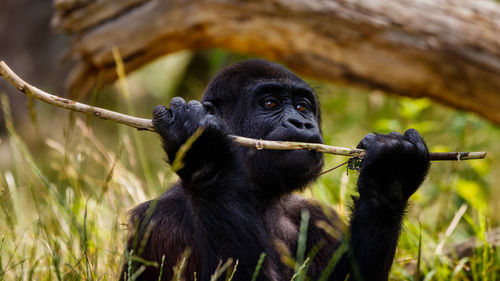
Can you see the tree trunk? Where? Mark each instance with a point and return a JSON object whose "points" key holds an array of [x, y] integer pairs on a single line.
{"points": [[447, 50]]}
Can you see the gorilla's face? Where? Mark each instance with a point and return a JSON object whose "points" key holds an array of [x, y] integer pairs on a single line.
{"points": [[285, 111], [282, 110], [263, 100]]}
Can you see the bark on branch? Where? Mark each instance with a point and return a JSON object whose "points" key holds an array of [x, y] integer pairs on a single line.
{"points": [[447, 50], [146, 124]]}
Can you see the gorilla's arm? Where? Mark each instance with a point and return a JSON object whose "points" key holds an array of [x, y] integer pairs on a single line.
{"points": [[223, 220], [393, 169]]}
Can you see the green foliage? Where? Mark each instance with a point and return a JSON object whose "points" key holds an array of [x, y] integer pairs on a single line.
{"points": [[66, 188]]}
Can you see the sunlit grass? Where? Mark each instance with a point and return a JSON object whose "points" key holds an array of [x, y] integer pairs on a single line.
{"points": [[66, 223]]}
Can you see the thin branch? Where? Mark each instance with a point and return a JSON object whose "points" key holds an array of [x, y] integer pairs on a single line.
{"points": [[23, 86], [291, 145], [147, 124]]}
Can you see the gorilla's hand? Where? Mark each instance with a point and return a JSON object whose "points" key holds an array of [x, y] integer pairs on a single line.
{"points": [[177, 124], [393, 168], [181, 121]]}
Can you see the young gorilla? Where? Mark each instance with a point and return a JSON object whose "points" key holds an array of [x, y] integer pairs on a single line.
{"points": [[236, 202]]}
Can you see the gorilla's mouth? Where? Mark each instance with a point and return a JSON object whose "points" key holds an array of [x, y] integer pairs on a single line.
{"points": [[302, 160], [300, 157], [283, 135]]}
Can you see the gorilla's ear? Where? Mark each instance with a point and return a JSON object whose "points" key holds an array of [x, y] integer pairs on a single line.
{"points": [[209, 107]]}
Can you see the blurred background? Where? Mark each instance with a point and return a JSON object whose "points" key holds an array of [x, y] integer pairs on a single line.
{"points": [[67, 180]]}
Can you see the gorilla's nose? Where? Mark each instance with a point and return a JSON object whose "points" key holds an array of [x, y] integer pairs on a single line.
{"points": [[301, 130], [294, 123]]}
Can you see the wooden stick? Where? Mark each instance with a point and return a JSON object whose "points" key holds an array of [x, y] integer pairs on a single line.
{"points": [[336, 150], [147, 124], [32, 91]]}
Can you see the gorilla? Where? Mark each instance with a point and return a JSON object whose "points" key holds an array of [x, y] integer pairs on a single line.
{"points": [[234, 202]]}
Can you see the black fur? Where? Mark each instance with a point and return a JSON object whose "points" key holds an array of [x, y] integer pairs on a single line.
{"points": [[236, 202]]}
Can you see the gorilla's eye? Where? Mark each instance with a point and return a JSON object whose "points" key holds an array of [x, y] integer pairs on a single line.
{"points": [[302, 107], [270, 103]]}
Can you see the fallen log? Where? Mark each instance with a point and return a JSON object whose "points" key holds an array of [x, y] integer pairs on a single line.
{"points": [[448, 51]]}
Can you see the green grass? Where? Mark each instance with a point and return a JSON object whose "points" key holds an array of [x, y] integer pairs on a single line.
{"points": [[66, 188]]}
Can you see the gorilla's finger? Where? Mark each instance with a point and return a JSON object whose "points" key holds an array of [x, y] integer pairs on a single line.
{"points": [[194, 103], [196, 106], [413, 136], [364, 143], [161, 116], [177, 103], [161, 111]]}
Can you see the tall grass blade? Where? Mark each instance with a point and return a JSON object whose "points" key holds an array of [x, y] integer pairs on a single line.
{"points": [[419, 255], [259, 266], [220, 269], [24, 151], [232, 271], [301, 247], [141, 150], [336, 256], [301, 273], [161, 267]]}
